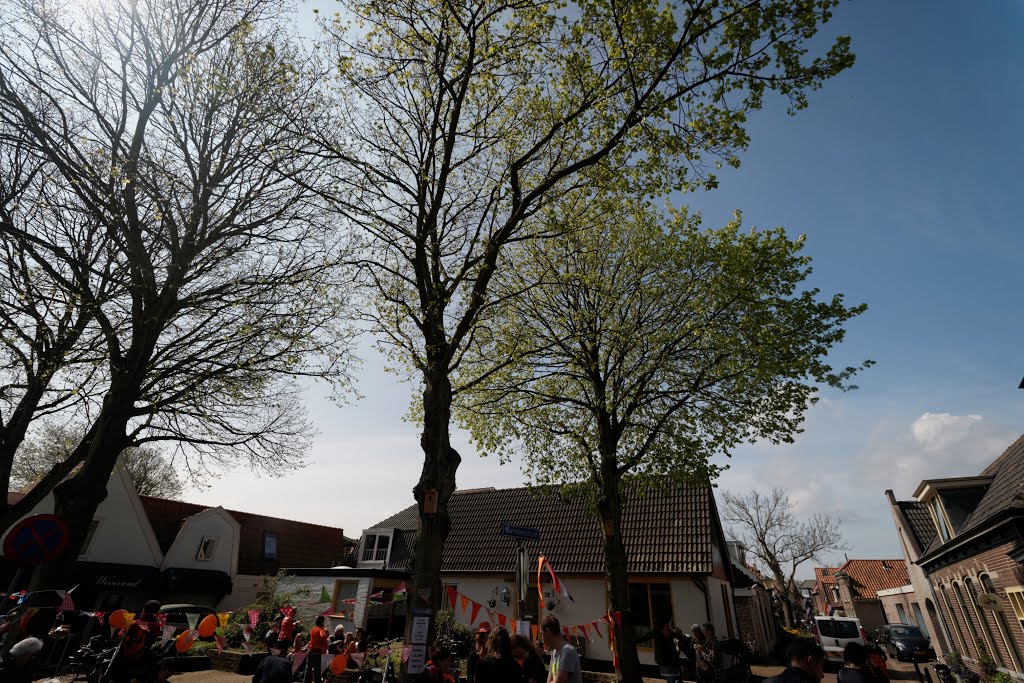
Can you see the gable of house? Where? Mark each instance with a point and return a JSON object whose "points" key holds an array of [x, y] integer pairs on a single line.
{"points": [[918, 522], [665, 531], [116, 534], [297, 544]]}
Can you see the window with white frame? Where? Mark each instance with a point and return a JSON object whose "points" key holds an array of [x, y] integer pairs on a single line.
{"points": [[1016, 597], [375, 547], [207, 547]]}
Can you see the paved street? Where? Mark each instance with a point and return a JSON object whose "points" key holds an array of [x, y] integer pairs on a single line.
{"points": [[897, 672]]}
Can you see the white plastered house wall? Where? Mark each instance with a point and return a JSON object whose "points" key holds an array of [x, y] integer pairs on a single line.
{"points": [[207, 540], [122, 533]]}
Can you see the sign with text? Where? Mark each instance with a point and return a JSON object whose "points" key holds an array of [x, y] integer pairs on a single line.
{"points": [[417, 659], [523, 533], [420, 626]]}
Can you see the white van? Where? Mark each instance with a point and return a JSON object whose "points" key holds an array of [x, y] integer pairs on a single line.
{"points": [[833, 633]]}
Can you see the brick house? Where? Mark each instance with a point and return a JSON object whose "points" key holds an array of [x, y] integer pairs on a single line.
{"points": [[755, 617], [916, 602], [974, 561], [852, 589], [678, 562]]}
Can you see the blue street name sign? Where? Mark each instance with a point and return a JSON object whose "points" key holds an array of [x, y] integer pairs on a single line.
{"points": [[523, 533]]}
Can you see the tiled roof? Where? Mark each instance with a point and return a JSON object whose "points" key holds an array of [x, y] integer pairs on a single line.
{"points": [[867, 577], [299, 544], [826, 576], [919, 522], [1007, 488], [1006, 492], [665, 531]]}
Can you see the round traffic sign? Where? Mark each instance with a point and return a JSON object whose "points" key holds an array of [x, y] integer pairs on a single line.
{"points": [[36, 540]]}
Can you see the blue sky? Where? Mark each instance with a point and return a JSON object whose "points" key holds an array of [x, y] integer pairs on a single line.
{"points": [[905, 174]]}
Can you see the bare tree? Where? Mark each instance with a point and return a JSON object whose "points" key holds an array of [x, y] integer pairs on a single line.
{"points": [[177, 127], [152, 473], [766, 525], [48, 347], [463, 121]]}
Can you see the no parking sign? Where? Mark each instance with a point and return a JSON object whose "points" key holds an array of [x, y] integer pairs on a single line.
{"points": [[36, 540]]}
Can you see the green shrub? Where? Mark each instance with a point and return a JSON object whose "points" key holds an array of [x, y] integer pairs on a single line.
{"points": [[269, 602], [453, 634]]}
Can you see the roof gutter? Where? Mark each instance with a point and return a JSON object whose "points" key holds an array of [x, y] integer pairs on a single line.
{"points": [[998, 521]]}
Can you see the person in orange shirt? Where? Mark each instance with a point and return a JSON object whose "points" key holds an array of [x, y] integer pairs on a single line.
{"points": [[316, 650]]}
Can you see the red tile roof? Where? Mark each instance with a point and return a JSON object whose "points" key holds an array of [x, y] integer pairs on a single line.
{"points": [[867, 577], [299, 544]]}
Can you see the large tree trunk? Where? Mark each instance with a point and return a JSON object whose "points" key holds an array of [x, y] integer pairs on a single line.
{"points": [[617, 577], [440, 462], [76, 499]]}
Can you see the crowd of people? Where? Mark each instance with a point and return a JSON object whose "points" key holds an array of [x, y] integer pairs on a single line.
{"points": [[501, 657], [807, 664], [698, 653], [137, 655]]}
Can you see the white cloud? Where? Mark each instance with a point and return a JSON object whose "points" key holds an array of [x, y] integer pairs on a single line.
{"points": [[935, 445], [938, 431]]}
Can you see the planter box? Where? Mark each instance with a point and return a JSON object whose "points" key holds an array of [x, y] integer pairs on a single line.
{"points": [[244, 663], [185, 664]]}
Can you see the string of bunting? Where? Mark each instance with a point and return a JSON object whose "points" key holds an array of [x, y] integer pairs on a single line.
{"points": [[470, 610]]}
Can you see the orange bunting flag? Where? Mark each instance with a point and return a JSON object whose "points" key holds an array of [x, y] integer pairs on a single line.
{"points": [[565, 632], [502, 619], [597, 629], [534, 629], [476, 612], [452, 594], [464, 601], [540, 590], [512, 626]]}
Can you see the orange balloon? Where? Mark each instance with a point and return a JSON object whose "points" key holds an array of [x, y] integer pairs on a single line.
{"points": [[338, 664], [208, 625], [183, 643], [118, 619]]}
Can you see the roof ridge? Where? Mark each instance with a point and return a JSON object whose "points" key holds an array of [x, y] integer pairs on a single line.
{"points": [[202, 508]]}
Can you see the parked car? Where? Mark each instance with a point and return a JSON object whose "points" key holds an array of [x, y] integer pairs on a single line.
{"points": [[833, 633], [905, 642], [177, 616]]}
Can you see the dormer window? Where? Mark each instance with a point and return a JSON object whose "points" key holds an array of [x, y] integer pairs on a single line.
{"points": [[375, 547], [939, 516]]}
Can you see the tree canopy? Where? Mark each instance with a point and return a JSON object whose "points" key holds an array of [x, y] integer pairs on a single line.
{"points": [[152, 473], [640, 345], [181, 130], [460, 123]]}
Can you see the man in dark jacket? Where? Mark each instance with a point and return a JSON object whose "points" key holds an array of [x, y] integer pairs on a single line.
{"points": [[806, 663], [274, 669], [666, 655]]}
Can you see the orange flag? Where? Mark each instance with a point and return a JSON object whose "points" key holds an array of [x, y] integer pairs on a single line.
{"points": [[464, 601]]}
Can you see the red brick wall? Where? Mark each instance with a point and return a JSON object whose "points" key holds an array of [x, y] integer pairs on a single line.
{"points": [[1004, 573]]}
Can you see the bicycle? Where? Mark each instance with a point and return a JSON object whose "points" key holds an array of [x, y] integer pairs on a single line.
{"points": [[377, 666]]}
